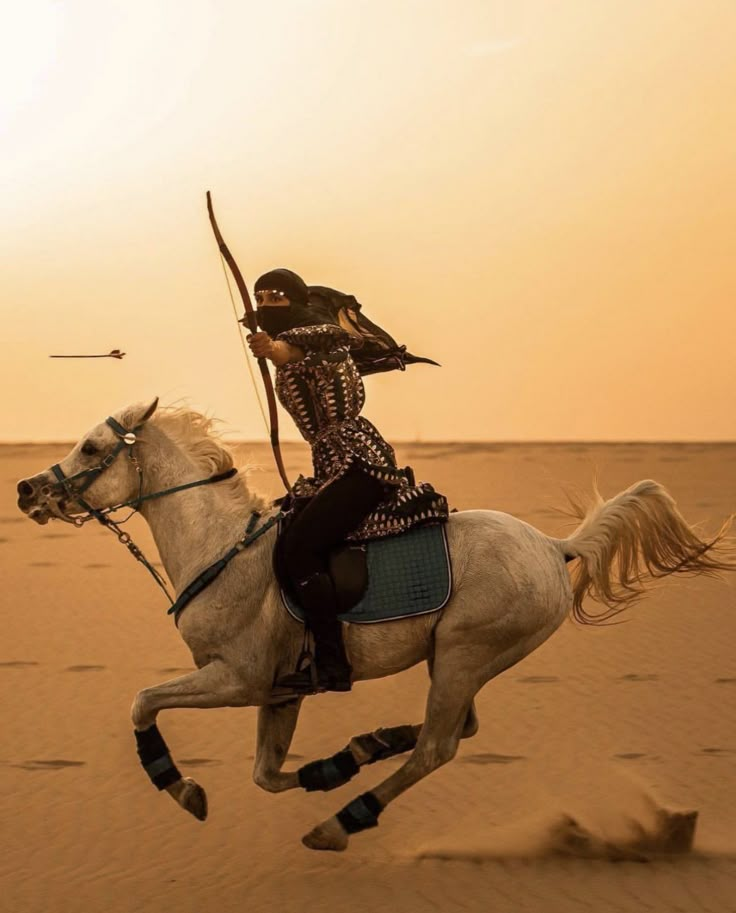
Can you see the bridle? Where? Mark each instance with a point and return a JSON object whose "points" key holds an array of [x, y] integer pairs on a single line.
{"points": [[128, 438], [88, 476]]}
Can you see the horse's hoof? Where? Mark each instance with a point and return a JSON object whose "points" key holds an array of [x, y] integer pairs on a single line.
{"points": [[193, 798], [327, 836]]}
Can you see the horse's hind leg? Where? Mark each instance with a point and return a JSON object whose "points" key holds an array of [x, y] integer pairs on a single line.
{"points": [[367, 748], [214, 685], [448, 708], [276, 725]]}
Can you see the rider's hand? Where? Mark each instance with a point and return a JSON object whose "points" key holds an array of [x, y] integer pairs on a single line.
{"points": [[261, 344]]}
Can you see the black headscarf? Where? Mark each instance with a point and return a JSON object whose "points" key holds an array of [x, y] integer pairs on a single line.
{"points": [[275, 320], [284, 280]]}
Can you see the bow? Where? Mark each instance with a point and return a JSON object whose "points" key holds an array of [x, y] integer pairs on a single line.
{"points": [[250, 318]]}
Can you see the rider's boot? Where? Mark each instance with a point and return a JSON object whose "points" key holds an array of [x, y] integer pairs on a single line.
{"points": [[331, 670]]}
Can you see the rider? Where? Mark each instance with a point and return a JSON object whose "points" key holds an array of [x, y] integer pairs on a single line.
{"points": [[357, 491]]}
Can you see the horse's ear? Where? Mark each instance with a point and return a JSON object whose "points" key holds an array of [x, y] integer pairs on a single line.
{"points": [[149, 412], [139, 414]]}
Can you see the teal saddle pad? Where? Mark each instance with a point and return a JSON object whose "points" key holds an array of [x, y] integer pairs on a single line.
{"points": [[409, 574]]}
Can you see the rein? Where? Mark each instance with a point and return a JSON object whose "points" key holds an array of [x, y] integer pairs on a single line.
{"points": [[206, 577], [88, 476]]}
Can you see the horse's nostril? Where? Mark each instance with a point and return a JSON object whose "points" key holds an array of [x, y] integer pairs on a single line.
{"points": [[25, 488]]}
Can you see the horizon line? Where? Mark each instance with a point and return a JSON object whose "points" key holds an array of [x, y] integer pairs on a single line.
{"points": [[432, 443]]}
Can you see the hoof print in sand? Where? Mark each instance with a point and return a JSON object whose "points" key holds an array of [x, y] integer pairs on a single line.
{"points": [[85, 668], [17, 663], [41, 564], [635, 677], [199, 762], [291, 756], [539, 679], [488, 757], [53, 764]]}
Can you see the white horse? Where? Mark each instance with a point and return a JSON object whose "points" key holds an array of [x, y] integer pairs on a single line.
{"points": [[512, 590]]}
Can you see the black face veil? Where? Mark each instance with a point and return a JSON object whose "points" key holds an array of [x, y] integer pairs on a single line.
{"points": [[273, 319]]}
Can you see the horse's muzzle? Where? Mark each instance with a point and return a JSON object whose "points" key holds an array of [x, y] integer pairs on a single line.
{"points": [[38, 498]]}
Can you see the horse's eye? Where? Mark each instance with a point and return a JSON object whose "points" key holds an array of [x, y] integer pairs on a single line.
{"points": [[88, 448]]}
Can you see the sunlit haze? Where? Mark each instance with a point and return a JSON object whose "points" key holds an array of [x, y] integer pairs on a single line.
{"points": [[541, 196]]}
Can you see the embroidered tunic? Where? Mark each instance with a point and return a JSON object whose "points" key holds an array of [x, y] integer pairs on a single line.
{"points": [[324, 394]]}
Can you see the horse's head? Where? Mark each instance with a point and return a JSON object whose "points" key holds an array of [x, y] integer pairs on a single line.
{"points": [[100, 471]]}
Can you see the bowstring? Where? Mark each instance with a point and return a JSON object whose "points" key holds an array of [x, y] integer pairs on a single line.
{"points": [[245, 350]]}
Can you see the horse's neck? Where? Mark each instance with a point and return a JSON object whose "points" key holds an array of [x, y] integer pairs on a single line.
{"points": [[191, 528]]}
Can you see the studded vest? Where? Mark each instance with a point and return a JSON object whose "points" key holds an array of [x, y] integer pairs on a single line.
{"points": [[324, 394]]}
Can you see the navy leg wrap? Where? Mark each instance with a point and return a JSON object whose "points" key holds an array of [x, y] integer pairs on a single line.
{"points": [[360, 814], [385, 743], [155, 757], [329, 772]]}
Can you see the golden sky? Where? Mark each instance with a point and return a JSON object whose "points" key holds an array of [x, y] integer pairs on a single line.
{"points": [[539, 194]]}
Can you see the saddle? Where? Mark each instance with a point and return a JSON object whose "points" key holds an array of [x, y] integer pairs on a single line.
{"points": [[384, 579]]}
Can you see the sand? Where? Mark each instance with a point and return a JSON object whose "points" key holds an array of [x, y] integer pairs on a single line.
{"points": [[603, 727]]}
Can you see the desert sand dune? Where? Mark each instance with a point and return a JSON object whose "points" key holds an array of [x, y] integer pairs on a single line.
{"points": [[563, 800]]}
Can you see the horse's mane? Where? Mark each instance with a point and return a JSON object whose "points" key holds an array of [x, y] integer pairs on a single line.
{"points": [[196, 434]]}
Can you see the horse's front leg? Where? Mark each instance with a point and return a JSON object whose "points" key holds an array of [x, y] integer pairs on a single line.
{"points": [[214, 685]]}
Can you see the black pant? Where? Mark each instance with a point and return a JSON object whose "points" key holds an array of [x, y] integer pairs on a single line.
{"points": [[336, 511]]}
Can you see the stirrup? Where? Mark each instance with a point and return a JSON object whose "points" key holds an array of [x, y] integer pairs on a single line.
{"points": [[297, 682], [310, 681]]}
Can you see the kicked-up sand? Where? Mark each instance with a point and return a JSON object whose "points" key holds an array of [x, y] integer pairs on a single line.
{"points": [[579, 792]]}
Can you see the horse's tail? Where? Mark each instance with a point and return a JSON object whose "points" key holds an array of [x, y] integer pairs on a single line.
{"points": [[638, 530]]}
